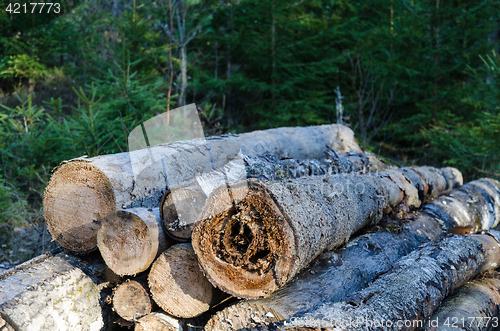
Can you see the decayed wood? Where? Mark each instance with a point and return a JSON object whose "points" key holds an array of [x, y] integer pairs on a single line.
{"points": [[178, 286], [55, 292], [82, 192], [474, 307], [189, 200], [263, 233], [404, 297], [129, 240], [353, 267], [131, 299]]}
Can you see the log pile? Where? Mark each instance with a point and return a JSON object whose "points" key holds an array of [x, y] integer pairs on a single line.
{"points": [[283, 229]]}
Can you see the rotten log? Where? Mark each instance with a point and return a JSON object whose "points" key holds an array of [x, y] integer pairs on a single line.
{"points": [[130, 240], [178, 286], [474, 306], [81, 192], [55, 292], [353, 267], [264, 233], [131, 299], [405, 297]]}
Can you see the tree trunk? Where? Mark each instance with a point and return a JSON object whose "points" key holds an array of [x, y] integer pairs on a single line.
{"points": [[131, 300], [189, 201], [404, 297], [83, 191], [474, 307], [55, 292], [353, 267], [178, 285], [130, 240], [262, 234]]}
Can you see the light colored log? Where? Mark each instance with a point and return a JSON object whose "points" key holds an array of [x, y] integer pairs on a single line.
{"points": [[83, 191], [129, 240], [263, 234], [178, 286], [159, 321], [54, 292], [405, 297], [474, 306], [131, 300]]}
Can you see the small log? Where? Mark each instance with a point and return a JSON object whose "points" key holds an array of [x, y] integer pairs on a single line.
{"points": [[474, 306], [178, 286], [129, 240], [263, 233], [243, 316], [404, 297], [353, 267], [55, 292], [81, 192], [159, 321], [188, 201], [131, 300]]}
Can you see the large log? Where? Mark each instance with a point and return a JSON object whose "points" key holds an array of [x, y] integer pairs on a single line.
{"points": [[262, 234], [130, 240], [55, 292], [189, 200], [178, 286], [474, 306], [353, 267], [404, 297], [83, 191]]}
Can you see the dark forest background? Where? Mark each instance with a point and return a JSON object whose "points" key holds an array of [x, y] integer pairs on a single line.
{"points": [[417, 80]]}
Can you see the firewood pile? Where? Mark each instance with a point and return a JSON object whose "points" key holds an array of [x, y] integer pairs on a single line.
{"points": [[282, 229]]}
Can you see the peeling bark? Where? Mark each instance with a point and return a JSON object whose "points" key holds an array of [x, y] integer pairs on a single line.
{"points": [[130, 240], [474, 307], [353, 267], [411, 290], [262, 234], [83, 191], [55, 292]]}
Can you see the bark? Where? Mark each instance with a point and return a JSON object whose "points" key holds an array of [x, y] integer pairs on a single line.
{"points": [[130, 240], [178, 286], [474, 307], [405, 297], [83, 191], [353, 267], [55, 292], [189, 201], [131, 300], [262, 234]]}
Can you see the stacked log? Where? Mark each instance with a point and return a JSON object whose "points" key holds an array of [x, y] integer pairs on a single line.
{"points": [[262, 234], [83, 191], [131, 300], [353, 267]]}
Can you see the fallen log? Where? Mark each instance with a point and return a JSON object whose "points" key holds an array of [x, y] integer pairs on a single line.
{"points": [[267, 232], [189, 200], [178, 286], [55, 292], [130, 240], [131, 299], [474, 306], [81, 192], [404, 297], [353, 267]]}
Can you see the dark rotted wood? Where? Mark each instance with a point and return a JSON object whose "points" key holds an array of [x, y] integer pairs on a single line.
{"points": [[256, 236], [353, 267], [411, 290]]}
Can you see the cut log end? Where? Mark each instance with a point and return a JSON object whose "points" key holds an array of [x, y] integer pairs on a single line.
{"points": [[127, 242], [131, 300], [159, 322], [246, 249], [243, 316], [78, 196], [178, 285]]}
